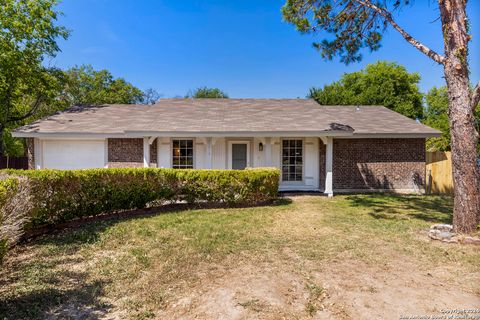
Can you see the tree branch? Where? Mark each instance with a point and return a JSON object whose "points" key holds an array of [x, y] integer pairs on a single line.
{"points": [[475, 96], [414, 42], [32, 111]]}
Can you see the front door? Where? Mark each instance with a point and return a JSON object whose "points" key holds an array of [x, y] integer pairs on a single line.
{"points": [[239, 155]]}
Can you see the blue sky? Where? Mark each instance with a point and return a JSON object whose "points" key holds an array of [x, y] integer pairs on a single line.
{"points": [[240, 46]]}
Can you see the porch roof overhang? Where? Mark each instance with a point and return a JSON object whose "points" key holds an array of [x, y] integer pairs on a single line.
{"points": [[181, 134], [204, 134]]}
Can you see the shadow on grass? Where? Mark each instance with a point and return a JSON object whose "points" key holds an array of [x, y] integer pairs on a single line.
{"points": [[437, 209], [43, 285], [80, 301], [87, 230]]}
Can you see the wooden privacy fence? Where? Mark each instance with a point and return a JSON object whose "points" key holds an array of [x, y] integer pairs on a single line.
{"points": [[13, 162], [439, 172]]}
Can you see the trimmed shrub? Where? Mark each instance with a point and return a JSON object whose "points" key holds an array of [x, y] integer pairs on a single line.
{"points": [[15, 204], [62, 195]]}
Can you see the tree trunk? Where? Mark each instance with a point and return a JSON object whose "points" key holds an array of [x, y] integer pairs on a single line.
{"points": [[2, 142], [464, 137]]}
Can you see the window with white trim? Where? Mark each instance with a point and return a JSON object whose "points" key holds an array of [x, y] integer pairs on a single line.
{"points": [[292, 160], [182, 157]]}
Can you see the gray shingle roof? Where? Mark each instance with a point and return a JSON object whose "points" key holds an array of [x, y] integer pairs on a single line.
{"points": [[226, 115]]}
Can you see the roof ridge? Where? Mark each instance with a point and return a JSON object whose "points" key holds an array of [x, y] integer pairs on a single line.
{"points": [[260, 99]]}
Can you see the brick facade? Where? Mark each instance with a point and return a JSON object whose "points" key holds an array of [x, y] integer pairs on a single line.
{"points": [[125, 152], [386, 164], [358, 164]]}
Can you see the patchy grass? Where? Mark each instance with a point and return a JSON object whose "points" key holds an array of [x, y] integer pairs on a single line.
{"points": [[316, 296], [273, 260], [253, 304]]}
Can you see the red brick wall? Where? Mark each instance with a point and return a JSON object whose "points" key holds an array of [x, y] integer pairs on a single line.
{"points": [[378, 163], [123, 152]]}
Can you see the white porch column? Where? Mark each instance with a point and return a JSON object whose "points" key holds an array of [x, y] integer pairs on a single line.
{"points": [[146, 152], [209, 154], [268, 152], [105, 153], [329, 167]]}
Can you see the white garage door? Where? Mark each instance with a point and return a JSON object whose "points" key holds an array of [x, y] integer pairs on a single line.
{"points": [[73, 154]]}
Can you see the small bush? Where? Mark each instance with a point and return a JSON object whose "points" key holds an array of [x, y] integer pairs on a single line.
{"points": [[62, 195], [15, 205]]}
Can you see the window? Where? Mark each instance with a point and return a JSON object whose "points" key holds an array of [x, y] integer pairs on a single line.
{"points": [[292, 160], [182, 154]]}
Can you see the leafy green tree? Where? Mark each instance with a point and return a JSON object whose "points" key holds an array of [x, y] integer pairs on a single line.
{"points": [[381, 83], [85, 86], [13, 147], [348, 26], [204, 92], [28, 34], [436, 116]]}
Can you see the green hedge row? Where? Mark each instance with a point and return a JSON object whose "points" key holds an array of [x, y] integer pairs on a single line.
{"points": [[30, 199], [61, 195]]}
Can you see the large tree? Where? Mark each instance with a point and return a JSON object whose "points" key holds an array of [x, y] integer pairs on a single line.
{"points": [[28, 34], [85, 85], [352, 25], [382, 83], [205, 92], [436, 116]]}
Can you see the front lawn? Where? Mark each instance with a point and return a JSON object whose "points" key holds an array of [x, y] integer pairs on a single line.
{"points": [[350, 257]]}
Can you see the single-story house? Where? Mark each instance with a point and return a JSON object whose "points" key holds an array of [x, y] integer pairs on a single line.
{"points": [[321, 148]]}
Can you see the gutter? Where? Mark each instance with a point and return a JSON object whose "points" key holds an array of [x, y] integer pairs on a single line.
{"points": [[340, 134], [141, 134]]}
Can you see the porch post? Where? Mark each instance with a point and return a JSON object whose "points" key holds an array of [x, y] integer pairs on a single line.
{"points": [[268, 152], [329, 167], [146, 152], [209, 159]]}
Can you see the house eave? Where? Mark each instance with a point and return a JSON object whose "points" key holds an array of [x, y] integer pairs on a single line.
{"points": [[410, 135], [240, 134], [67, 135], [140, 134]]}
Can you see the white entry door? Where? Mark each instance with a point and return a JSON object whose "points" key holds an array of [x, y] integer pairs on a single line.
{"points": [[238, 155]]}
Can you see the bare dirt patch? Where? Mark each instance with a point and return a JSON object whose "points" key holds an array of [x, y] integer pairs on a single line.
{"points": [[388, 292], [336, 290]]}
